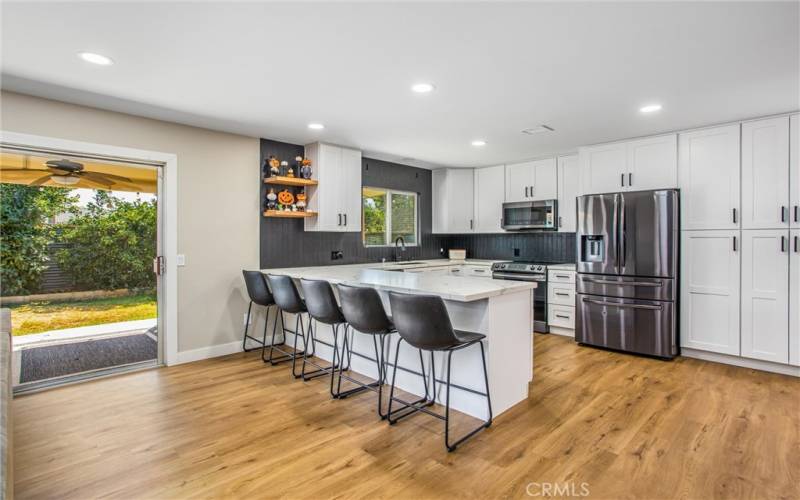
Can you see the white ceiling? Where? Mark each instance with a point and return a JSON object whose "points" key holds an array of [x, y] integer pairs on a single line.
{"points": [[268, 69]]}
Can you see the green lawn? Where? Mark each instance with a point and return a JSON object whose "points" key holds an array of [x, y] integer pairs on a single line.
{"points": [[38, 317]]}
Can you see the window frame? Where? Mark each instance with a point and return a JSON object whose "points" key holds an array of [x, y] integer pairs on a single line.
{"points": [[388, 232]]}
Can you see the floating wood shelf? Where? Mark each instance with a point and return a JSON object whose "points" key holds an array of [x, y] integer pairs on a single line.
{"points": [[290, 181], [289, 215]]}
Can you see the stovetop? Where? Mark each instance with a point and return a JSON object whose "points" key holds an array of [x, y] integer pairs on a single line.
{"points": [[521, 267]]}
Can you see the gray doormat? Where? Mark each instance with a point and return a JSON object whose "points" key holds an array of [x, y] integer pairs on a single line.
{"points": [[41, 363]]}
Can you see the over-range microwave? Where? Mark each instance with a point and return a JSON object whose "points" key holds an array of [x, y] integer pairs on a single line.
{"points": [[520, 215]]}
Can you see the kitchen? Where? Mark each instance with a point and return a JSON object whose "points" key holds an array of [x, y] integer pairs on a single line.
{"points": [[426, 250]]}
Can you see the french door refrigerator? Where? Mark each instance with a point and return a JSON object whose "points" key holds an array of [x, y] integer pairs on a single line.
{"points": [[627, 290]]}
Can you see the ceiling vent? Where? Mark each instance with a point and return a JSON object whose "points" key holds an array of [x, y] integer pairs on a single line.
{"points": [[538, 130]]}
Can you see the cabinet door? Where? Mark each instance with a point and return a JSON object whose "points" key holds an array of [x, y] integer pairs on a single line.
{"points": [[765, 295], [519, 179], [765, 174], [794, 299], [323, 198], [544, 179], [794, 169], [567, 192], [709, 178], [653, 163], [460, 191], [490, 192], [350, 190], [602, 168], [710, 291]]}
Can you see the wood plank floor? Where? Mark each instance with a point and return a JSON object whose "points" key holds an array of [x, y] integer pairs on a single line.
{"points": [[232, 427]]}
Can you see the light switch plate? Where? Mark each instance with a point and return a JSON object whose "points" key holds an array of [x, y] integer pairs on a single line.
{"points": [[180, 260]]}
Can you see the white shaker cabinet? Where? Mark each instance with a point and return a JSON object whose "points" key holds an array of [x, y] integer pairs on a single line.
{"points": [[453, 193], [489, 195], [532, 180], [709, 178], [567, 192], [794, 170], [794, 298], [710, 290], [637, 165], [765, 295], [337, 198], [765, 174], [652, 163]]}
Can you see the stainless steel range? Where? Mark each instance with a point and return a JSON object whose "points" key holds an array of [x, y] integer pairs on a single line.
{"points": [[528, 271]]}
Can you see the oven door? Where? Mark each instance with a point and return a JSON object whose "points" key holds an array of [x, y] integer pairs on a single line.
{"points": [[539, 296], [530, 215]]}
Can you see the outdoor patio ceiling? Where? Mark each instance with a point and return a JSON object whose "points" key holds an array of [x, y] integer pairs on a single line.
{"points": [[22, 168]]}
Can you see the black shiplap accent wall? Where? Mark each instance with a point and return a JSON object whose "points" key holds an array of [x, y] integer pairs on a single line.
{"points": [[284, 243]]}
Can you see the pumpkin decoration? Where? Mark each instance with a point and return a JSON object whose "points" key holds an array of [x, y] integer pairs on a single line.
{"points": [[301, 201], [285, 197], [305, 168]]}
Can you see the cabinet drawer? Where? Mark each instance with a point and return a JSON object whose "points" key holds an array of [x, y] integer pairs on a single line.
{"points": [[563, 316], [479, 271], [560, 294], [554, 276]]}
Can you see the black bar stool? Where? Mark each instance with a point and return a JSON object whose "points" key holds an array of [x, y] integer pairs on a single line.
{"points": [[260, 295], [364, 312], [423, 322], [287, 298], [322, 308]]}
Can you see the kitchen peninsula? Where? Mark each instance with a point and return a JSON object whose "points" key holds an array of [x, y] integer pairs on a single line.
{"points": [[502, 310]]}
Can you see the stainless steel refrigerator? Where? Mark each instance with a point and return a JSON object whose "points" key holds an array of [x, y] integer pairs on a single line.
{"points": [[627, 283]]}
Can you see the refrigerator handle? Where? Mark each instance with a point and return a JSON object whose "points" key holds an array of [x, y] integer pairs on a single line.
{"points": [[622, 233]]}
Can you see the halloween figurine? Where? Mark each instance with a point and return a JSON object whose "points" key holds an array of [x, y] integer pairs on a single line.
{"points": [[271, 197], [305, 168], [285, 198], [284, 168], [298, 162], [274, 165], [301, 201]]}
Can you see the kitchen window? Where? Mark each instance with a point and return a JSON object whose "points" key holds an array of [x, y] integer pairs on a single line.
{"points": [[387, 214]]}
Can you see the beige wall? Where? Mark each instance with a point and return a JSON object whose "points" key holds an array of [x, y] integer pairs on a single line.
{"points": [[218, 205]]}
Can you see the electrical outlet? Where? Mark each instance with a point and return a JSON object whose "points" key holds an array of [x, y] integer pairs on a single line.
{"points": [[516, 252], [337, 255]]}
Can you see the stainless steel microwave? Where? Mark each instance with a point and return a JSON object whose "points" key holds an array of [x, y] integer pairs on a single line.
{"points": [[521, 215]]}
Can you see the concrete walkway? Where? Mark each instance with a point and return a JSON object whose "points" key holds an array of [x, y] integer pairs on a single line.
{"points": [[82, 333]]}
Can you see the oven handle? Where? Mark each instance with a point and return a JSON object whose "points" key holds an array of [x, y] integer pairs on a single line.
{"points": [[625, 283], [516, 277], [615, 304]]}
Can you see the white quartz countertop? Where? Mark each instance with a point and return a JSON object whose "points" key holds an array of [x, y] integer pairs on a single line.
{"points": [[561, 267], [456, 288]]}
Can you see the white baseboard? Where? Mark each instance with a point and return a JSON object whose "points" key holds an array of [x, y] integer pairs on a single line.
{"points": [[754, 364], [209, 352]]}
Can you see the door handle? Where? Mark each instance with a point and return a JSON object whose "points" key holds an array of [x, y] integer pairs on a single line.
{"points": [[614, 304], [158, 265], [630, 179], [622, 180], [733, 211]]}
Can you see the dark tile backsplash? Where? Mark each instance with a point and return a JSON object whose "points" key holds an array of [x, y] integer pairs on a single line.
{"points": [[284, 243]]}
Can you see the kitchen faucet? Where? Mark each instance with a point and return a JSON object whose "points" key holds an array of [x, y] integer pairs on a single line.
{"points": [[403, 243]]}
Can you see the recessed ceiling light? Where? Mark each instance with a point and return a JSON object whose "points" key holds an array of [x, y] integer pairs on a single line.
{"points": [[478, 142], [96, 58], [422, 88], [650, 108], [316, 126]]}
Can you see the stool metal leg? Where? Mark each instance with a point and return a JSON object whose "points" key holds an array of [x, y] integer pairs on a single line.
{"points": [[452, 447], [261, 343], [413, 406], [286, 356]]}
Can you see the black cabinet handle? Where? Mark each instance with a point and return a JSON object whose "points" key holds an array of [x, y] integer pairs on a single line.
{"points": [[783, 243], [783, 213], [526, 191], [796, 245], [796, 210], [345, 219], [471, 224], [562, 316], [622, 180], [560, 221], [734, 243], [630, 179], [733, 210], [562, 294], [340, 220]]}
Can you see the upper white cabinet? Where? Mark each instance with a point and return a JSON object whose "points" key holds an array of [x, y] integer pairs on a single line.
{"points": [[638, 165], [709, 178], [765, 295], [603, 168], [794, 169], [567, 192], [490, 190], [532, 180], [337, 198], [794, 298], [710, 290], [653, 163], [453, 194], [765, 174]]}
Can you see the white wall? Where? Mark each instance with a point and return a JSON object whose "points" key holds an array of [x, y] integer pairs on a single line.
{"points": [[218, 203]]}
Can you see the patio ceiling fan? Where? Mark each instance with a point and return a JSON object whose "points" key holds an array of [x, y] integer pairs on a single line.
{"points": [[68, 173]]}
